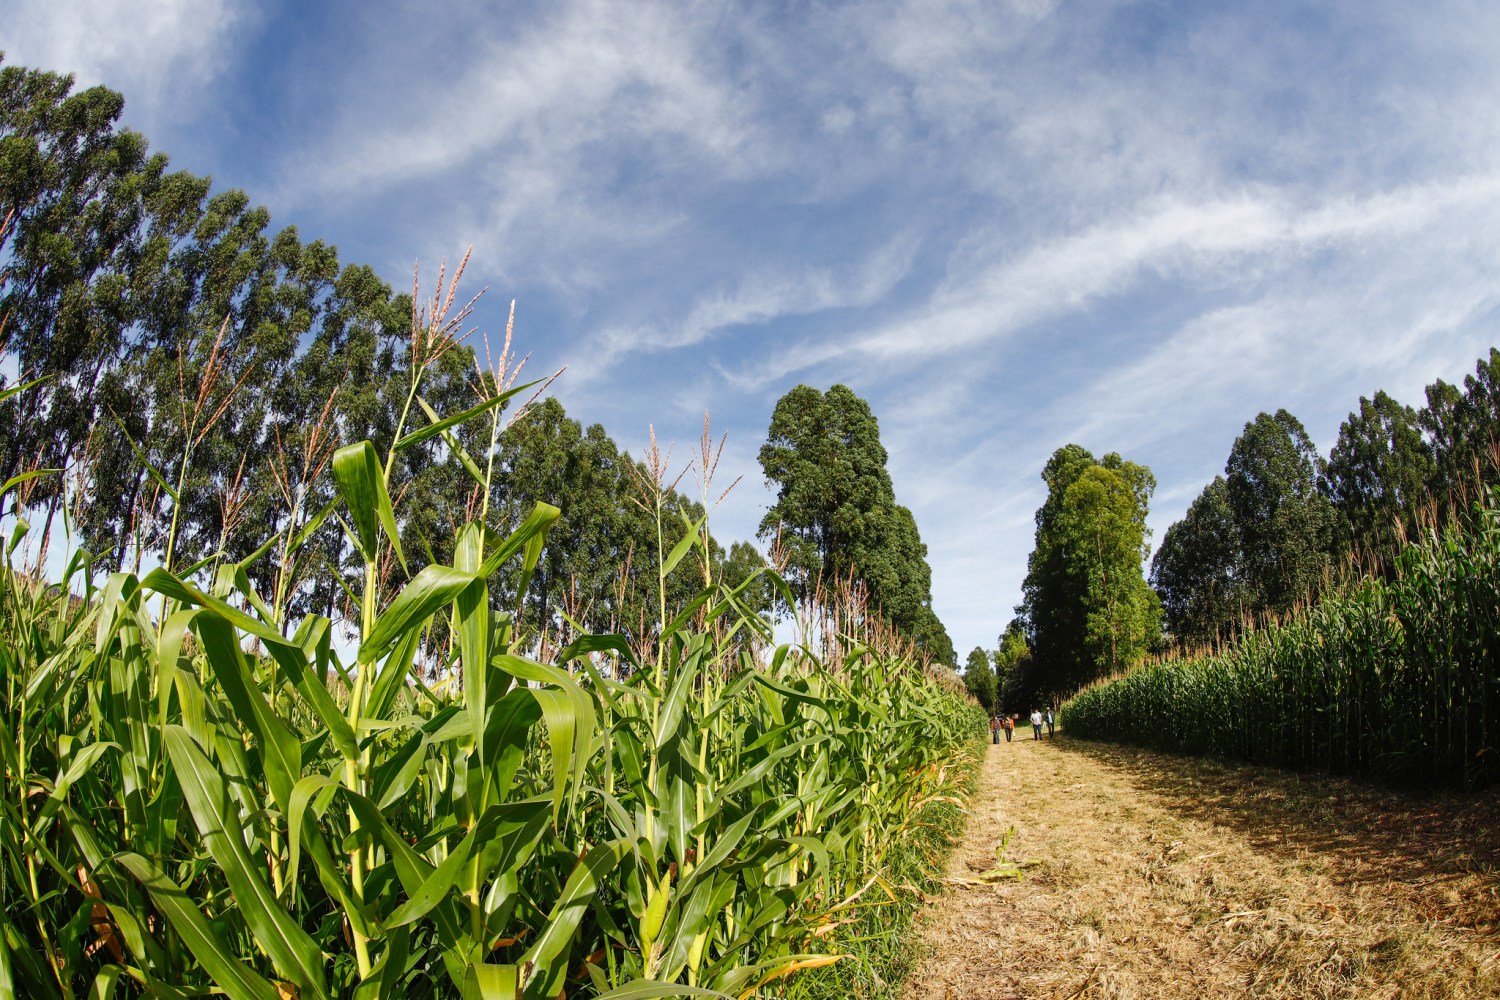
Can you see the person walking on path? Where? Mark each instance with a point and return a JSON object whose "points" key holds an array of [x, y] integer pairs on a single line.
{"points": [[995, 729], [1049, 723], [1009, 721], [1036, 723]]}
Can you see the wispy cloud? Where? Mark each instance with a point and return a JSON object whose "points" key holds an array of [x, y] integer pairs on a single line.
{"points": [[161, 55], [1237, 242], [570, 133], [760, 298]]}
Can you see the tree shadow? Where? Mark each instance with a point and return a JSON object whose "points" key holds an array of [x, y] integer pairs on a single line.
{"points": [[1439, 849]]}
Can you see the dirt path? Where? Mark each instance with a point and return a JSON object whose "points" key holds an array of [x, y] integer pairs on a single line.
{"points": [[1160, 876]]}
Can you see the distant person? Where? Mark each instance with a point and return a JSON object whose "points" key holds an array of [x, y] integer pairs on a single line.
{"points": [[1036, 723], [995, 730], [1049, 723], [1010, 726]]}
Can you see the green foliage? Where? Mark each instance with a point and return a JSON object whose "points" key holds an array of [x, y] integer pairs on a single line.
{"points": [[1257, 541], [1285, 522], [185, 816], [1379, 473], [744, 568], [1197, 571], [203, 793], [1013, 664], [1462, 428], [1391, 677], [199, 366], [1262, 540], [1086, 605], [836, 517], [597, 565], [980, 680], [189, 349]]}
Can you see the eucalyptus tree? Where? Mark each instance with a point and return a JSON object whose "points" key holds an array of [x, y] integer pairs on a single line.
{"points": [[1010, 649], [836, 518], [1197, 570], [1104, 523], [1462, 427], [1379, 473], [979, 679], [1285, 520], [1087, 608], [1013, 665], [73, 195], [196, 365]]}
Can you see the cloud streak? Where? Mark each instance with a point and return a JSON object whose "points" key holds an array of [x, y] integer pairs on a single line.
{"points": [[1242, 241], [163, 55]]}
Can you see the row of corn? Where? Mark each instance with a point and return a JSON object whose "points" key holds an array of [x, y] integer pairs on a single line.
{"points": [[200, 797], [1396, 677]]}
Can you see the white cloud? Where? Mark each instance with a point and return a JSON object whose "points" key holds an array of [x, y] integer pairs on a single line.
{"points": [[760, 298], [571, 136], [160, 55], [1239, 242]]}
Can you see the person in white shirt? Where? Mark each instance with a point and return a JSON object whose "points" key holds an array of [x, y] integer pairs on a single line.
{"points": [[1036, 723]]}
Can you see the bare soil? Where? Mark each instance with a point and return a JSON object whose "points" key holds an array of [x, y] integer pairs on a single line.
{"points": [[1159, 876]]}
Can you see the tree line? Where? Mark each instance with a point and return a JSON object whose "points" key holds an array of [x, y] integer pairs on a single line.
{"points": [[1283, 523], [194, 369], [1277, 528]]}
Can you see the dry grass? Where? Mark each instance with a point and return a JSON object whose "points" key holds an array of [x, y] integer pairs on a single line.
{"points": [[1160, 876]]}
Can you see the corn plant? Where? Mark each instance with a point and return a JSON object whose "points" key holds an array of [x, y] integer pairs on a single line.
{"points": [[1396, 678], [201, 796]]}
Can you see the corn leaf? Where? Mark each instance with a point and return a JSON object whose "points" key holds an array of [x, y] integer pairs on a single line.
{"points": [[295, 954], [229, 974]]}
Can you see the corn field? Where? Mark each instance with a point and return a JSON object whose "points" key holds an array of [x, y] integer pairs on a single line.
{"points": [[1399, 679], [202, 797]]}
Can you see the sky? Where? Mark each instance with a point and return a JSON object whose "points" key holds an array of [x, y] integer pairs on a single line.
{"points": [[1009, 225]]}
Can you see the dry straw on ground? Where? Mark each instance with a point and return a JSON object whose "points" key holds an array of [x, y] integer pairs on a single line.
{"points": [[1159, 876]]}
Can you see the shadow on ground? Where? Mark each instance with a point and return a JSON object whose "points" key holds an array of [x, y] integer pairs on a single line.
{"points": [[1373, 835]]}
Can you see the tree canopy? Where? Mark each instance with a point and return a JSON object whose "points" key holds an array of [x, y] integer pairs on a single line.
{"points": [[979, 679], [199, 367], [1281, 521], [1197, 571], [836, 517], [1379, 472], [1086, 606], [1285, 521], [1257, 540]]}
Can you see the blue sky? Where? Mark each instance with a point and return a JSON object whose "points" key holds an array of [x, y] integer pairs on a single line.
{"points": [[1008, 225]]}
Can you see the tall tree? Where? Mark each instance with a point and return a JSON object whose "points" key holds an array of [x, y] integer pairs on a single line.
{"points": [[979, 679], [1379, 473], [1463, 432], [1103, 522], [836, 515], [1086, 605], [1012, 666], [1285, 521], [174, 329], [76, 192], [1197, 570]]}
